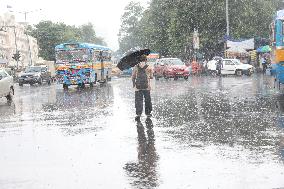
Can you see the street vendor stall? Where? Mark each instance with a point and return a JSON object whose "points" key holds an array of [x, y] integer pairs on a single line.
{"points": [[237, 52], [264, 49], [3, 63]]}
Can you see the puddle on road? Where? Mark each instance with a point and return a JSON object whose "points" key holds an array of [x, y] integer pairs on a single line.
{"points": [[224, 130]]}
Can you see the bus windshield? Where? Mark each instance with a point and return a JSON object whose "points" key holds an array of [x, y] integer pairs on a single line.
{"points": [[72, 55]]}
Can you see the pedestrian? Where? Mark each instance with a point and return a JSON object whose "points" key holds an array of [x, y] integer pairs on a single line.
{"points": [[205, 66], [141, 75], [249, 60], [219, 67], [264, 65]]}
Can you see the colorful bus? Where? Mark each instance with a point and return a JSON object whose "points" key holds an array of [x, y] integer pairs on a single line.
{"points": [[82, 63], [277, 43]]}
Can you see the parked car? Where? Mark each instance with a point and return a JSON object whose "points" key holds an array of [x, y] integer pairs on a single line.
{"points": [[231, 67], [35, 74], [6, 85], [170, 68]]}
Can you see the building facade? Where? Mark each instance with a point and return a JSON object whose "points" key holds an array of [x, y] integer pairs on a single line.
{"points": [[13, 38]]}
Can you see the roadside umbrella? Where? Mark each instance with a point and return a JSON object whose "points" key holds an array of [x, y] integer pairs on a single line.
{"points": [[132, 58], [264, 49]]}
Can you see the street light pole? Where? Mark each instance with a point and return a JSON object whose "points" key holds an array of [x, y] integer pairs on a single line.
{"points": [[16, 45]]}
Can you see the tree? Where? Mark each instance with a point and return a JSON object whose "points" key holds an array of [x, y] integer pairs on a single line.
{"points": [[49, 34], [166, 26], [129, 26], [88, 34]]}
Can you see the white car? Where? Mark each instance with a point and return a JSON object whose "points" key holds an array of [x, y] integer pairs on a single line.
{"points": [[231, 66], [6, 85]]}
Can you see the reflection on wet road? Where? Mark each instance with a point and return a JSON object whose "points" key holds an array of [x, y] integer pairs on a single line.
{"points": [[205, 133], [144, 172]]}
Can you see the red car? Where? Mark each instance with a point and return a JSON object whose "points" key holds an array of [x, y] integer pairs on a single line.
{"points": [[170, 68]]}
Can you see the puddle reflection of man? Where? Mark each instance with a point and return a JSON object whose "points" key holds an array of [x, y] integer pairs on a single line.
{"points": [[144, 172]]}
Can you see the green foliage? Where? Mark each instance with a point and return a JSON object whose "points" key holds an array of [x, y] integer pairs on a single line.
{"points": [[166, 26], [129, 31], [49, 34]]}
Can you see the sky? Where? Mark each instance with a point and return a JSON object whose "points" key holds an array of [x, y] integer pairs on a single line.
{"points": [[103, 14]]}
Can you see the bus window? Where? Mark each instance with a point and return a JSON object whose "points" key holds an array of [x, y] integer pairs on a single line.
{"points": [[96, 55], [105, 55]]}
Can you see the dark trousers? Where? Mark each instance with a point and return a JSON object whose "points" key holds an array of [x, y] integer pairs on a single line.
{"points": [[264, 68], [139, 102]]}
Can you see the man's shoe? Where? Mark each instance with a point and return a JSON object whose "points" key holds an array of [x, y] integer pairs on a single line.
{"points": [[149, 116], [149, 123]]}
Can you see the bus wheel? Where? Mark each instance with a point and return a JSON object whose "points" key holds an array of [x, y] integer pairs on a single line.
{"points": [[65, 86]]}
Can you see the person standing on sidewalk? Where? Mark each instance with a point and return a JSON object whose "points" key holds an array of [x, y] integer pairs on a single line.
{"points": [[141, 76], [219, 66]]}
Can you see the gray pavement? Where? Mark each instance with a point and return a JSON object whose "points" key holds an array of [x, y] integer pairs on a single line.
{"points": [[205, 133]]}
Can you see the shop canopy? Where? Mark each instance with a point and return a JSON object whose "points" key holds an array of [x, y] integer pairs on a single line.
{"points": [[244, 44], [264, 49], [236, 49]]}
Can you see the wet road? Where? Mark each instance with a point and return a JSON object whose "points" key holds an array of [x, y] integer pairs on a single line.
{"points": [[205, 133]]}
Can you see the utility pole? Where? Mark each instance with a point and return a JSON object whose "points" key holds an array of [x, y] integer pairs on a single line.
{"points": [[28, 39], [227, 18], [228, 27]]}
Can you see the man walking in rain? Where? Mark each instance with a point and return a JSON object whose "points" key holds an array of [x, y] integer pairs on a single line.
{"points": [[141, 76]]}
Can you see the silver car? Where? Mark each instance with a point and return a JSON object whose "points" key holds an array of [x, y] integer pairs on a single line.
{"points": [[6, 85]]}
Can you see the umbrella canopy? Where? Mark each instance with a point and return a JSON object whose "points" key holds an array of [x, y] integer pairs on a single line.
{"points": [[263, 49], [132, 58]]}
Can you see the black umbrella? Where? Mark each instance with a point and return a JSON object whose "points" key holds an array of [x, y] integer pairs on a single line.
{"points": [[132, 58]]}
